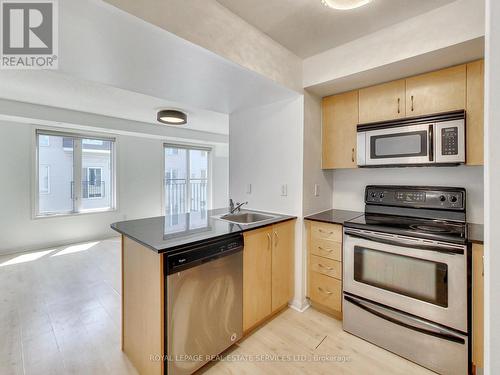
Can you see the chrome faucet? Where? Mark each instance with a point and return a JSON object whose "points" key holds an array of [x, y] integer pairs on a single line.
{"points": [[233, 208]]}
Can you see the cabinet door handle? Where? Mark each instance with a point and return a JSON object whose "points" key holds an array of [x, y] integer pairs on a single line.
{"points": [[276, 238], [412, 107], [327, 268], [399, 103], [269, 242], [324, 291], [328, 251], [322, 231], [352, 155]]}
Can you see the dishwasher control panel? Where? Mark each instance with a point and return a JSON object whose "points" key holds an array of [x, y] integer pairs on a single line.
{"points": [[193, 255]]}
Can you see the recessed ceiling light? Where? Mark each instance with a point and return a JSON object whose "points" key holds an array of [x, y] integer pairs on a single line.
{"points": [[344, 4], [172, 117]]}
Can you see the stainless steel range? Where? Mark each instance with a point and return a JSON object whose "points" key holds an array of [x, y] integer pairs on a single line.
{"points": [[406, 275]]}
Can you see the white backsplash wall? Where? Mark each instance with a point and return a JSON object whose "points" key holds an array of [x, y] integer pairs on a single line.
{"points": [[349, 184]]}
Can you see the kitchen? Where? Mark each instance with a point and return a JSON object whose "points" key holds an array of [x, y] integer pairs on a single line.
{"points": [[281, 130]]}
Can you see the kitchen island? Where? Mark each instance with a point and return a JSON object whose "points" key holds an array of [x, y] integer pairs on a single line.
{"points": [[146, 244]]}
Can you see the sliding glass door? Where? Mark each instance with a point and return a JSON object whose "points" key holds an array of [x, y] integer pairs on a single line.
{"points": [[186, 179]]}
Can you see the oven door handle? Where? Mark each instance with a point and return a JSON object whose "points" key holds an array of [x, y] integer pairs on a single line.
{"points": [[431, 142], [432, 330], [441, 248]]}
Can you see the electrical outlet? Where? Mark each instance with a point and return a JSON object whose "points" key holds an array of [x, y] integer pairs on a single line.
{"points": [[284, 190], [316, 190], [249, 188]]}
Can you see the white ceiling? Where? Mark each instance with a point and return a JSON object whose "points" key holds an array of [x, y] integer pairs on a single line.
{"points": [[306, 27], [63, 91]]}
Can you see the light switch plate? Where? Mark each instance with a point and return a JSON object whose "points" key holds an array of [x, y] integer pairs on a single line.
{"points": [[249, 188], [284, 190], [316, 190]]}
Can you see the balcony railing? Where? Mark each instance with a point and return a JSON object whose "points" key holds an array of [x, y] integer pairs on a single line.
{"points": [[90, 189], [176, 195]]}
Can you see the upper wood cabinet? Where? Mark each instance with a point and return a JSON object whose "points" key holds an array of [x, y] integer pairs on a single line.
{"points": [[267, 271], [456, 88], [440, 91], [382, 102], [475, 113], [340, 118]]}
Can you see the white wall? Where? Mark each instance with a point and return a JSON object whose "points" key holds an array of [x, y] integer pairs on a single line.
{"points": [[167, 67], [349, 184], [266, 151], [492, 184], [313, 174], [212, 26], [451, 24], [139, 191]]}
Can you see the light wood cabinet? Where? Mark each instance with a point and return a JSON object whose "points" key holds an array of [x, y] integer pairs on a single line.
{"points": [[440, 91], [267, 271], [256, 276], [340, 118], [477, 306], [324, 248], [456, 88], [282, 270], [382, 102], [475, 113], [143, 306]]}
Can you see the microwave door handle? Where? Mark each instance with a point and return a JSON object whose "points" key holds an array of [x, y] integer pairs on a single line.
{"points": [[432, 331], [441, 248], [431, 142]]}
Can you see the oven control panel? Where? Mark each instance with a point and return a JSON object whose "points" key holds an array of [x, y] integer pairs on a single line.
{"points": [[416, 197]]}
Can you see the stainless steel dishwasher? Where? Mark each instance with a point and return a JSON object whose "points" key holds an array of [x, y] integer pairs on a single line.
{"points": [[204, 296]]}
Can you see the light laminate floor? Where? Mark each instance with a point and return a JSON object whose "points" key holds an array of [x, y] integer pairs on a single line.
{"points": [[60, 314]]}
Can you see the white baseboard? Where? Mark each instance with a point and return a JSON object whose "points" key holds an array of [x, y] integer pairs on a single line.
{"points": [[299, 306]]}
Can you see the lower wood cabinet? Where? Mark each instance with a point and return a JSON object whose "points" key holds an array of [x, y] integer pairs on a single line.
{"points": [[324, 248], [267, 271], [477, 307]]}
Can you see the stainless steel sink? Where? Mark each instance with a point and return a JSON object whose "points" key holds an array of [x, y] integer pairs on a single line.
{"points": [[245, 218]]}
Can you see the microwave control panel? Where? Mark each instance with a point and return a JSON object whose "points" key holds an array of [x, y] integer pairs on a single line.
{"points": [[449, 143]]}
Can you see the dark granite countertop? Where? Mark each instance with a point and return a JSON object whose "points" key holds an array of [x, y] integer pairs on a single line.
{"points": [[165, 234], [475, 233], [334, 216]]}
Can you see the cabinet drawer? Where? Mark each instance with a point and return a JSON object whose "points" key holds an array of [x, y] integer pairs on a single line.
{"points": [[326, 291], [326, 248], [326, 267], [326, 231]]}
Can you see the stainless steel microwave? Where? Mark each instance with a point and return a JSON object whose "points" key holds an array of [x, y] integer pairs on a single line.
{"points": [[427, 140]]}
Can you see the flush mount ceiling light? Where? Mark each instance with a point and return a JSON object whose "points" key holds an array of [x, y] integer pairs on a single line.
{"points": [[344, 4], [172, 117]]}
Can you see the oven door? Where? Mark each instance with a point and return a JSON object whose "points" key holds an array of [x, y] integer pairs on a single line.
{"points": [[421, 277], [397, 145]]}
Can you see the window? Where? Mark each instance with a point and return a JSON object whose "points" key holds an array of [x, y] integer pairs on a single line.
{"points": [[44, 179], [93, 186], [186, 180], [75, 174], [44, 141]]}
